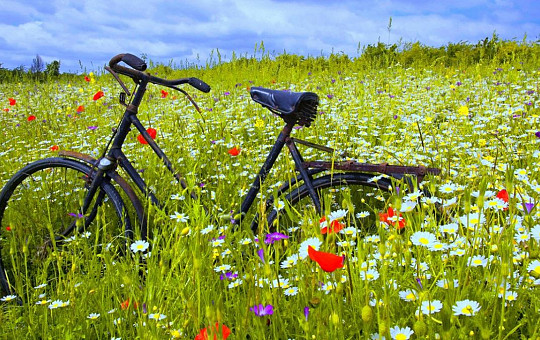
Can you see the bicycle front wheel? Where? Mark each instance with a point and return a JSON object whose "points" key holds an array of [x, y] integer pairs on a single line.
{"points": [[45, 235], [354, 200]]}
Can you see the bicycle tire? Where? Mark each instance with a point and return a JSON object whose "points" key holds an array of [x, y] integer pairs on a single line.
{"points": [[41, 200], [355, 193]]}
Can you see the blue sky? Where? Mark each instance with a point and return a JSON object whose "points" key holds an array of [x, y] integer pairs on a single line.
{"points": [[91, 32]]}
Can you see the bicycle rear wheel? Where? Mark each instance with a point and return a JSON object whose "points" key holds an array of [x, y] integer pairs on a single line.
{"points": [[44, 235], [354, 199]]}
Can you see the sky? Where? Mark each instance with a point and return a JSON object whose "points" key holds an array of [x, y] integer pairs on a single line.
{"points": [[84, 35]]}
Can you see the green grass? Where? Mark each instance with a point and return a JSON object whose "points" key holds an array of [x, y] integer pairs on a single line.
{"points": [[477, 123]]}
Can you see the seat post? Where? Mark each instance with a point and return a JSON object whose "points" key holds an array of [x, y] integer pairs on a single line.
{"points": [[282, 138]]}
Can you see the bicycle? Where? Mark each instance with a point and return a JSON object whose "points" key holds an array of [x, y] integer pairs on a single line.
{"points": [[90, 194]]}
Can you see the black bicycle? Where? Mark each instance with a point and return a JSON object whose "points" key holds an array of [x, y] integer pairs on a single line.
{"points": [[50, 201]]}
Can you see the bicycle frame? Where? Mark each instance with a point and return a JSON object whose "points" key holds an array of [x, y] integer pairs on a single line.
{"points": [[106, 166]]}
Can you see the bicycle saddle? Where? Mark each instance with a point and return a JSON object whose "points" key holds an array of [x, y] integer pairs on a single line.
{"points": [[293, 107]]}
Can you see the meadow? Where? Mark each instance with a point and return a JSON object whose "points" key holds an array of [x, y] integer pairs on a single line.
{"points": [[466, 265]]}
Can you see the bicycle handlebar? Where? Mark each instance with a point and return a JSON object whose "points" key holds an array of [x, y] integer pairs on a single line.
{"points": [[138, 66]]}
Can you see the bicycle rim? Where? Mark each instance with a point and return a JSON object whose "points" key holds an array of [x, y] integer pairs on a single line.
{"points": [[37, 246], [350, 205]]}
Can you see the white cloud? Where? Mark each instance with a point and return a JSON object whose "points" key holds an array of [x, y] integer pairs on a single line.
{"points": [[95, 31]]}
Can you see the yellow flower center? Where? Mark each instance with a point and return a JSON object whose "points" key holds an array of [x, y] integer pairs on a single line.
{"points": [[467, 310], [401, 336], [424, 240]]}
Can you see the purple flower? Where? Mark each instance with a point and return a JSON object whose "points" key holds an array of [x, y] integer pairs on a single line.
{"points": [[458, 83], [93, 127], [537, 134], [306, 312], [529, 207], [260, 252], [391, 96], [76, 215], [228, 276], [333, 80], [226, 93], [271, 238], [330, 96], [261, 310], [395, 116]]}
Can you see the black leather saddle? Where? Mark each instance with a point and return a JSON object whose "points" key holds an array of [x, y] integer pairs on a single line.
{"points": [[293, 107]]}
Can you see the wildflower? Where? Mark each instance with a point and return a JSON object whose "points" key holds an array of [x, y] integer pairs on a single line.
{"points": [[407, 206], [398, 333], [261, 310], [335, 226], [93, 316], [31, 118], [306, 312], [362, 214], [272, 237], [8, 298], [478, 261], [80, 109], [179, 217], [224, 332], [58, 304], [234, 151], [423, 238], [391, 218], [328, 262], [445, 283], [12, 101], [42, 302], [472, 219], [466, 307], [125, 304], [535, 233], [92, 127], [408, 295], [139, 245], [86, 78], [511, 296], [43, 285], [448, 188], [291, 291], [313, 242], [463, 111], [450, 228], [164, 94], [437, 246], [98, 95], [54, 148], [430, 307], [369, 275], [289, 261], [534, 267], [151, 131], [503, 195], [222, 268], [413, 196], [349, 231], [157, 316]]}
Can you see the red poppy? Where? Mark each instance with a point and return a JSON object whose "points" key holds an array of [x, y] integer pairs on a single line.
{"points": [[98, 95], [86, 78], [12, 101], [335, 226], [8, 228], [503, 195], [391, 218], [234, 151], [6, 110], [203, 334], [54, 148], [152, 132], [125, 305], [328, 262], [164, 94], [80, 109], [31, 118]]}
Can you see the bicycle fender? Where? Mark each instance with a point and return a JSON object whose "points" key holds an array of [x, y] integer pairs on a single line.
{"points": [[122, 183]]}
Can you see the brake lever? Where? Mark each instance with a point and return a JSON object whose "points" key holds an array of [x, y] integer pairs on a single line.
{"points": [[188, 96], [115, 75]]}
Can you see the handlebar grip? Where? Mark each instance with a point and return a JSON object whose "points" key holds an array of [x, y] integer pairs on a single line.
{"points": [[199, 85], [134, 61]]}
